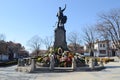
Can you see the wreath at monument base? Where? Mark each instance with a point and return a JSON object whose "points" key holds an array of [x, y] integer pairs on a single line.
{"points": [[63, 60]]}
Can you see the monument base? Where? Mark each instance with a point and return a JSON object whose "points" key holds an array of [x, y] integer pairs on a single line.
{"points": [[60, 38]]}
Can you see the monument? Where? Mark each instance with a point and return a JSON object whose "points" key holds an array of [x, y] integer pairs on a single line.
{"points": [[60, 32]]}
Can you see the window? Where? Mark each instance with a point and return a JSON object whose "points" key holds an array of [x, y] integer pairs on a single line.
{"points": [[102, 51], [100, 45], [103, 45]]}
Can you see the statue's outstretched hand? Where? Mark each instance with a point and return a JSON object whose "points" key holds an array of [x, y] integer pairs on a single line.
{"points": [[65, 6]]}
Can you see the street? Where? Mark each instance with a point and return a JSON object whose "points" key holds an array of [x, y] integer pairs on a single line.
{"points": [[112, 72]]}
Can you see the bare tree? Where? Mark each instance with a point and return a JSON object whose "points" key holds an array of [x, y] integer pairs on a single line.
{"points": [[74, 40], [89, 37], [3, 47], [102, 32], [47, 42], [35, 43], [2, 37], [110, 24]]}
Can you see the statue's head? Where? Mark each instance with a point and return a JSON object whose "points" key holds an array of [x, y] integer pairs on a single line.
{"points": [[59, 8]]}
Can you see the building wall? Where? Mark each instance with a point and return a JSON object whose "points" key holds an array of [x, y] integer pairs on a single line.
{"points": [[15, 55], [4, 57], [118, 53], [104, 48], [100, 48]]}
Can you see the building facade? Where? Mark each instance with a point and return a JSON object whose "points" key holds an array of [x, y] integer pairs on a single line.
{"points": [[10, 50], [102, 48]]}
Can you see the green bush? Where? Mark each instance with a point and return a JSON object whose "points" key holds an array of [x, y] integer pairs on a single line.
{"points": [[105, 60], [39, 59]]}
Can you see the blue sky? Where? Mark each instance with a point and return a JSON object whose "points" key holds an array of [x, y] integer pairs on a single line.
{"points": [[22, 19]]}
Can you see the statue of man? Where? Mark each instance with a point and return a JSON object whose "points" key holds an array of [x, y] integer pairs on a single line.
{"points": [[60, 15]]}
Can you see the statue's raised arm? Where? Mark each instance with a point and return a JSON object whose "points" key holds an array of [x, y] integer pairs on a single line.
{"points": [[64, 8]]}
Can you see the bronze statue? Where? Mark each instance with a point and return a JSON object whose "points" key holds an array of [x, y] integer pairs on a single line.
{"points": [[61, 17]]}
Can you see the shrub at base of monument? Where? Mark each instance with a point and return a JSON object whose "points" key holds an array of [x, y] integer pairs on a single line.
{"points": [[43, 61], [80, 61]]}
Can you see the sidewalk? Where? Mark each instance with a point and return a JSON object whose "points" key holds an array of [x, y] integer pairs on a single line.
{"points": [[112, 72]]}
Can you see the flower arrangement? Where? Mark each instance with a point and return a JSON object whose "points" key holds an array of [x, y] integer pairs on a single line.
{"points": [[64, 59], [44, 60]]}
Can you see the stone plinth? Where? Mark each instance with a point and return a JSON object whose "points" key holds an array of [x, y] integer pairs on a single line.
{"points": [[60, 38]]}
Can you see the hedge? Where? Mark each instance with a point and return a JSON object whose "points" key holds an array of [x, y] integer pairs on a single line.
{"points": [[9, 63]]}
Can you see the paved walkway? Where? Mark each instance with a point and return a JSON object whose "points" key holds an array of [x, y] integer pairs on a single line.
{"points": [[112, 72], [9, 73]]}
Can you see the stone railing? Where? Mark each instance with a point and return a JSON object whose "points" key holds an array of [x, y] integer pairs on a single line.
{"points": [[24, 62], [93, 62], [26, 65]]}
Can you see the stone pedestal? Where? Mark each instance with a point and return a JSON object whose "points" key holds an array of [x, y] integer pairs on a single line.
{"points": [[60, 38], [86, 61]]}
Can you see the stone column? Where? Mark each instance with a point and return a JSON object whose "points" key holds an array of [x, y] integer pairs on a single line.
{"points": [[19, 62], [33, 65], [91, 63], [73, 64], [101, 63], [51, 63], [86, 61]]}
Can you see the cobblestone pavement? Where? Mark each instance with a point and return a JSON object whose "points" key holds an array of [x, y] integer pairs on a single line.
{"points": [[112, 72]]}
